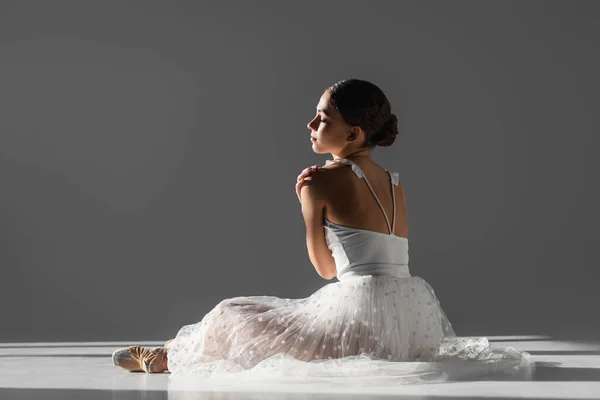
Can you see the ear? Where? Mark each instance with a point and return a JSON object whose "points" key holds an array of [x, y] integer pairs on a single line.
{"points": [[355, 133]]}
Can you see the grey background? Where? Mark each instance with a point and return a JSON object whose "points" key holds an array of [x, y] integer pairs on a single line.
{"points": [[149, 152]]}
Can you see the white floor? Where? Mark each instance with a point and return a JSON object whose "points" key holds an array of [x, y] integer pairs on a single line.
{"points": [[566, 370]]}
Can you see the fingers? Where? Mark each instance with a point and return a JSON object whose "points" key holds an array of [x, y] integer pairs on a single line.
{"points": [[307, 171], [300, 184], [304, 176], [303, 179], [304, 173]]}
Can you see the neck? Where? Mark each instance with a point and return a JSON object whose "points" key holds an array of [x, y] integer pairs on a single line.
{"points": [[353, 155]]}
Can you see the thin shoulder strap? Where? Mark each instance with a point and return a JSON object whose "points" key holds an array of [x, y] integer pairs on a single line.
{"points": [[395, 178], [361, 175]]}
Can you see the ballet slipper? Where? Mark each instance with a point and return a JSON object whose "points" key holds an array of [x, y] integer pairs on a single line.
{"points": [[156, 362], [141, 359]]}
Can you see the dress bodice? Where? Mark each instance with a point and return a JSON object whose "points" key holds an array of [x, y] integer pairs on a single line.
{"points": [[359, 252]]}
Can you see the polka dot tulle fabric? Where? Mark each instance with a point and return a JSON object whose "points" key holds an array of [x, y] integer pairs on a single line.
{"points": [[368, 328]]}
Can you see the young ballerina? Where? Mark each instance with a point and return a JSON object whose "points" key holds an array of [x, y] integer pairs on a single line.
{"points": [[377, 321]]}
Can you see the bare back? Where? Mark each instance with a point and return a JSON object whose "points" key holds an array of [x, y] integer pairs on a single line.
{"points": [[350, 203]]}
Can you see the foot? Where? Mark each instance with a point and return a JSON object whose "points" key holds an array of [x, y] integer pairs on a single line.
{"points": [[141, 359], [157, 362]]}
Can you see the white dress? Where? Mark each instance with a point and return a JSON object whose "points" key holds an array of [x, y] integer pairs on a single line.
{"points": [[376, 325]]}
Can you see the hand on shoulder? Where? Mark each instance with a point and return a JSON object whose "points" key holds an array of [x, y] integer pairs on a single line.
{"points": [[306, 173], [303, 177]]}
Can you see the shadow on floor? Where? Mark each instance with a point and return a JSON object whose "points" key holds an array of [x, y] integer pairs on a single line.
{"points": [[552, 372]]}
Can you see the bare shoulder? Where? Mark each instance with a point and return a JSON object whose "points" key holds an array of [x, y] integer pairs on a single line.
{"points": [[326, 174], [326, 179]]}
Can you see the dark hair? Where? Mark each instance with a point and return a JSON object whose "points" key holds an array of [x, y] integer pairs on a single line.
{"points": [[364, 104]]}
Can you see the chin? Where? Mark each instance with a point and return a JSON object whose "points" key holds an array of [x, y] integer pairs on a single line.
{"points": [[317, 148]]}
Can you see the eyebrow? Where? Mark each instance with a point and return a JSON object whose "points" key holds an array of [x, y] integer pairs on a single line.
{"points": [[323, 111]]}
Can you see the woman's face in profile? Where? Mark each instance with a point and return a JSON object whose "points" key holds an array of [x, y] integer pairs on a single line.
{"points": [[327, 128]]}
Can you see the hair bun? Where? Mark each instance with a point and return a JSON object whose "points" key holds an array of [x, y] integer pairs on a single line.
{"points": [[386, 135]]}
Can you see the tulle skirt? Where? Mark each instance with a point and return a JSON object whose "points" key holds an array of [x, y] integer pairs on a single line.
{"points": [[362, 330]]}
